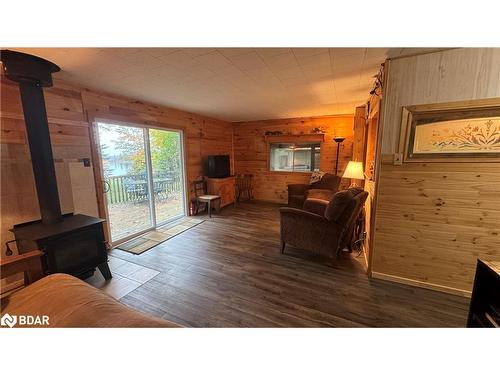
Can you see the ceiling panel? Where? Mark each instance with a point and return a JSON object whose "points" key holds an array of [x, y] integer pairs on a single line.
{"points": [[233, 84]]}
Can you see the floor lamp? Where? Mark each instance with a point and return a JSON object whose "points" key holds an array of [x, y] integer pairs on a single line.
{"points": [[338, 140]]}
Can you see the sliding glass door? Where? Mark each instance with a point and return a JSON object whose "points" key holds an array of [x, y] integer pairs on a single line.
{"points": [[143, 177], [166, 170]]}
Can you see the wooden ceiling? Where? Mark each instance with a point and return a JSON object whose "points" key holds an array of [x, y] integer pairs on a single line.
{"points": [[232, 84]]}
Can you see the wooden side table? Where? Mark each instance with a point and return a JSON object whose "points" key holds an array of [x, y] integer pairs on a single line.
{"points": [[223, 187]]}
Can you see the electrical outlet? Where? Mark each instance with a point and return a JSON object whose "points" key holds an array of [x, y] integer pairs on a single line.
{"points": [[398, 159]]}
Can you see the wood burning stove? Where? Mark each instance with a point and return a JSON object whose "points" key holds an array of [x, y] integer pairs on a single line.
{"points": [[72, 244]]}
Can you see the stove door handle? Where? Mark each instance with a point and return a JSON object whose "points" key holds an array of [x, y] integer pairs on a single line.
{"points": [[9, 251]]}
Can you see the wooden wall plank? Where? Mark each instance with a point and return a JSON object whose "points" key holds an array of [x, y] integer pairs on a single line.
{"points": [[433, 220]]}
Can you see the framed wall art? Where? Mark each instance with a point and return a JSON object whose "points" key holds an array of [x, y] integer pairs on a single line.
{"points": [[451, 132]]}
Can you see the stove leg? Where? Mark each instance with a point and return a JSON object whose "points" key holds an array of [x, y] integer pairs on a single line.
{"points": [[106, 272]]}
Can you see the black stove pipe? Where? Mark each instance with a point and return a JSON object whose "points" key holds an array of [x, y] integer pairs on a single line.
{"points": [[32, 73], [338, 140]]}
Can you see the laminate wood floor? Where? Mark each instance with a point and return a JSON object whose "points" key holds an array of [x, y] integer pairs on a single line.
{"points": [[228, 272]]}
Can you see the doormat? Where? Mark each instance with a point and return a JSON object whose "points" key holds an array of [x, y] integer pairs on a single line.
{"points": [[151, 239]]}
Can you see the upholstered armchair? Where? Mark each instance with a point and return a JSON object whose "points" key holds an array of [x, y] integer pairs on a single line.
{"points": [[325, 234], [323, 189]]}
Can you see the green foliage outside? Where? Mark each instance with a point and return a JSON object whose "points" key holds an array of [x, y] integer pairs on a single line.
{"points": [[164, 145], [165, 150]]}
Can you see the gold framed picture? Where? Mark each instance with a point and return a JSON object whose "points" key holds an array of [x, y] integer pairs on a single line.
{"points": [[451, 132]]}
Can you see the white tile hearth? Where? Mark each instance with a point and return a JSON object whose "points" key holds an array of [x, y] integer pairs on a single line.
{"points": [[127, 276]]}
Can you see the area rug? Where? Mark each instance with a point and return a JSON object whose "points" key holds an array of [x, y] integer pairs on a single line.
{"points": [[151, 239]]}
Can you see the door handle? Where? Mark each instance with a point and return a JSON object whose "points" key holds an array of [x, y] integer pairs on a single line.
{"points": [[106, 186]]}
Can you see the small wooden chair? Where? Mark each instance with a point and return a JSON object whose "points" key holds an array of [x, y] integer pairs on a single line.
{"points": [[244, 186], [201, 197]]}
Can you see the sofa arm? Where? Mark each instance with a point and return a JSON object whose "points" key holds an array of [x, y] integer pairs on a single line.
{"points": [[301, 214], [323, 194], [307, 230], [298, 189]]}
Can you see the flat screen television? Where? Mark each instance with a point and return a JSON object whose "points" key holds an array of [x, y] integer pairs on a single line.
{"points": [[218, 166]]}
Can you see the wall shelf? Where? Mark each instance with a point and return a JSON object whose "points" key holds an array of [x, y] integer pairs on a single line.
{"points": [[293, 138]]}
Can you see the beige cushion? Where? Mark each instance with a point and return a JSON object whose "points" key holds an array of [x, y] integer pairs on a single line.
{"points": [[70, 302]]}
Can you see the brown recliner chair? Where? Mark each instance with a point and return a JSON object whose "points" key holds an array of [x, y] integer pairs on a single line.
{"points": [[323, 189], [325, 234]]}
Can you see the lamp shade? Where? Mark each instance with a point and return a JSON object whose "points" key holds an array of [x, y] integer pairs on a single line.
{"points": [[354, 170]]}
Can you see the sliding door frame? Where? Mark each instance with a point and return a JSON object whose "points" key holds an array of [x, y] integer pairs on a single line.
{"points": [[182, 174], [99, 174]]}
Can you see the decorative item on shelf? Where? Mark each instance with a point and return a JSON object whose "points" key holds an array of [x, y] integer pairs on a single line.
{"points": [[338, 140], [316, 176], [379, 81], [354, 171], [318, 130]]}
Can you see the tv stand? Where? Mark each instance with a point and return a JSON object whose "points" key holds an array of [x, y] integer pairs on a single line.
{"points": [[224, 187]]}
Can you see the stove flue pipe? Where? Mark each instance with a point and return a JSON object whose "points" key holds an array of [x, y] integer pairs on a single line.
{"points": [[32, 73]]}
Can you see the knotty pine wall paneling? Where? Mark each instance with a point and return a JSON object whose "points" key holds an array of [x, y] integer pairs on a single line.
{"points": [[251, 151], [433, 220]]}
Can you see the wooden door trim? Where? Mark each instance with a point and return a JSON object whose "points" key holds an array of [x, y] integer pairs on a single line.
{"points": [[376, 172], [98, 176]]}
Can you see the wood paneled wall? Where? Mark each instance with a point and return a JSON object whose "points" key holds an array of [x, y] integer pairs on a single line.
{"points": [[251, 151], [70, 110], [433, 220], [69, 133]]}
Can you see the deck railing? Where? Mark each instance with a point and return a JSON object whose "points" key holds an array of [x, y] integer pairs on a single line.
{"points": [[134, 188]]}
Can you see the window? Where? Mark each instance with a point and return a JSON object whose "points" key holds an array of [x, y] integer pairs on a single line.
{"points": [[294, 157]]}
